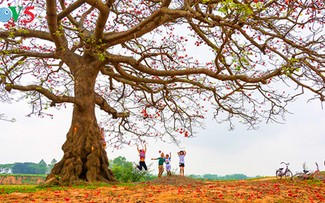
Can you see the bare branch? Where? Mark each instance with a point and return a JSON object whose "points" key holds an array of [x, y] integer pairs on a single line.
{"points": [[102, 103], [54, 98]]}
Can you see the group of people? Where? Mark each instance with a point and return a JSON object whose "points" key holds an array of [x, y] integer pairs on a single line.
{"points": [[163, 159]]}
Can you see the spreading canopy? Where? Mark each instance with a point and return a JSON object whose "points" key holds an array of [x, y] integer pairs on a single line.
{"points": [[162, 63]]}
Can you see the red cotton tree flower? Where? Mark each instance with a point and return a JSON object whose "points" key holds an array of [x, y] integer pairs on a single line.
{"points": [[155, 67]]}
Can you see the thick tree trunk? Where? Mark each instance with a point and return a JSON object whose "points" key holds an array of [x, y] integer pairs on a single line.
{"points": [[84, 158]]}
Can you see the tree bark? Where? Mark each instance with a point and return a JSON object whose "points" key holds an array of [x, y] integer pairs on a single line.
{"points": [[84, 158]]}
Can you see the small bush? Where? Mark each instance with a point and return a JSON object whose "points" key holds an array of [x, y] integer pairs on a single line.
{"points": [[126, 171]]}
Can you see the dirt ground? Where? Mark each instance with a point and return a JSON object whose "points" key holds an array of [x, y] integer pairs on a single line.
{"points": [[178, 189]]}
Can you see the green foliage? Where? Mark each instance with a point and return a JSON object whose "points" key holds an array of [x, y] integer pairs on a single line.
{"points": [[101, 56], [51, 165], [291, 66], [30, 168], [125, 171], [288, 70], [230, 7], [6, 166], [216, 177]]}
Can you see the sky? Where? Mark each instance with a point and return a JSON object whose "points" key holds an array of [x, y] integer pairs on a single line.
{"points": [[214, 150]]}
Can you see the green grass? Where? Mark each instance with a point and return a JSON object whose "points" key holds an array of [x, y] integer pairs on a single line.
{"points": [[7, 189]]}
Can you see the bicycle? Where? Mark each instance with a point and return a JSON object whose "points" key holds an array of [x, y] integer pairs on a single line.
{"points": [[281, 172], [319, 175], [306, 173]]}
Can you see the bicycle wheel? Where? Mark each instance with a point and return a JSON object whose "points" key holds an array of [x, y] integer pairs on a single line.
{"points": [[288, 175], [319, 176], [278, 174], [299, 176]]}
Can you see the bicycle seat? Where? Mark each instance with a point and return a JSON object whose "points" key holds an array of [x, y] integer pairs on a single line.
{"points": [[305, 171]]}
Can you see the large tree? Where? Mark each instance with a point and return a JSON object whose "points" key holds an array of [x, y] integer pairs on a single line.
{"points": [[154, 66]]}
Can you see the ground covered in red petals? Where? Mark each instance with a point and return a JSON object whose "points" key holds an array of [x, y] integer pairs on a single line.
{"points": [[181, 190]]}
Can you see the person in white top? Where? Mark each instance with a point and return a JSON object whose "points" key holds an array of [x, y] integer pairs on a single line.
{"points": [[168, 165], [181, 155]]}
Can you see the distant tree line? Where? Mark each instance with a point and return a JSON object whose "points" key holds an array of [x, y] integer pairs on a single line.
{"points": [[124, 171], [216, 177], [27, 167]]}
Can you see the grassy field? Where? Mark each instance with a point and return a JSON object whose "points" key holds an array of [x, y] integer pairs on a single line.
{"points": [[173, 189]]}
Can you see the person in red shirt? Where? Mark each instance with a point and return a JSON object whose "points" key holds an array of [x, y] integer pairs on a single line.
{"points": [[142, 154]]}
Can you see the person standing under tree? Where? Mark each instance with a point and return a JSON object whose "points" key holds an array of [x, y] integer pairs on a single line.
{"points": [[168, 165], [161, 161], [142, 154], [181, 155]]}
